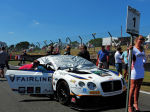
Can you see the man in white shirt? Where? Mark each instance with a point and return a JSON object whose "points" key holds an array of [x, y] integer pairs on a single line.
{"points": [[118, 60]]}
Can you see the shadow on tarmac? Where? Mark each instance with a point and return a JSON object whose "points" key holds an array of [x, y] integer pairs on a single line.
{"points": [[100, 108], [41, 96], [35, 100], [145, 111]]}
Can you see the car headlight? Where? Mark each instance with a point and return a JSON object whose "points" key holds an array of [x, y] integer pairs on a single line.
{"points": [[91, 85], [81, 84]]}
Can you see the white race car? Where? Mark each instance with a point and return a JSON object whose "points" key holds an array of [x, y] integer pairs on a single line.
{"points": [[70, 78]]}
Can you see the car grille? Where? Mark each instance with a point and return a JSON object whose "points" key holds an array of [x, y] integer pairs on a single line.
{"points": [[111, 86]]}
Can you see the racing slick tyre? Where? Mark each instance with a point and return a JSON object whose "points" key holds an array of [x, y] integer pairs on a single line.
{"points": [[63, 93]]}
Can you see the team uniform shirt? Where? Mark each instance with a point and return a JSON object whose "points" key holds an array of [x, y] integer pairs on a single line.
{"points": [[137, 70], [103, 55], [118, 57], [125, 56], [84, 54]]}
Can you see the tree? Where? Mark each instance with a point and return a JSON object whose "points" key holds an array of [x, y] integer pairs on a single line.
{"points": [[96, 42], [11, 47], [22, 45], [32, 45], [74, 44]]}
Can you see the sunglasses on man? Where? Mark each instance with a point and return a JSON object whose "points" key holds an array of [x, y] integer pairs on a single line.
{"points": [[142, 39]]}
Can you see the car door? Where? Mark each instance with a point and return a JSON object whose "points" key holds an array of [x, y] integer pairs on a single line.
{"points": [[30, 81]]}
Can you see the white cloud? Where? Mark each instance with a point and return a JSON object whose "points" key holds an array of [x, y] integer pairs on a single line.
{"points": [[11, 32], [36, 22], [141, 0]]}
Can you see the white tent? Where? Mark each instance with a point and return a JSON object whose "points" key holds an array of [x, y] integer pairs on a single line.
{"points": [[108, 41], [148, 39], [3, 44]]}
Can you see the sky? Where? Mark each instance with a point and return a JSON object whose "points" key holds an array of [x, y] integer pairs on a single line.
{"points": [[40, 20]]}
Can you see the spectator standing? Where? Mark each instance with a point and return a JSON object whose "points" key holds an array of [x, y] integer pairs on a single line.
{"points": [[23, 57], [137, 72], [67, 50], [50, 51], [125, 60], [3, 61], [84, 53], [118, 60], [103, 58]]}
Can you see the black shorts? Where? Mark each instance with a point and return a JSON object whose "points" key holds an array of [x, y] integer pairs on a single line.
{"points": [[2, 66], [125, 66]]}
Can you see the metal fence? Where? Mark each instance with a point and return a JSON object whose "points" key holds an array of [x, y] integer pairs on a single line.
{"points": [[93, 42]]}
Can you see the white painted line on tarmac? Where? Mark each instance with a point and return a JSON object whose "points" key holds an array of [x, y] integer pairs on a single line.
{"points": [[145, 92]]}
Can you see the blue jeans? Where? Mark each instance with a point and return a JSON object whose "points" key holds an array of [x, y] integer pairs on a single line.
{"points": [[119, 67]]}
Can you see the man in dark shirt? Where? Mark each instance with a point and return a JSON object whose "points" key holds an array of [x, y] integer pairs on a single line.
{"points": [[103, 57], [3, 61], [23, 57], [67, 50], [84, 53]]}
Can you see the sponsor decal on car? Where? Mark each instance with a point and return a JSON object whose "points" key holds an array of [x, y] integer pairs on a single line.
{"points": [[21, 89], [38, 89], [30, 89], [94, 92], [78, 77], [12, 77], [90, 77], [73, 81], [101, 73], [84, 90], [111, 78], [30, 79]]}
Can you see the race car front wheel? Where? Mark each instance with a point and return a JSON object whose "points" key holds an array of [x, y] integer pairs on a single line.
{"points": [[63, 93]]}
